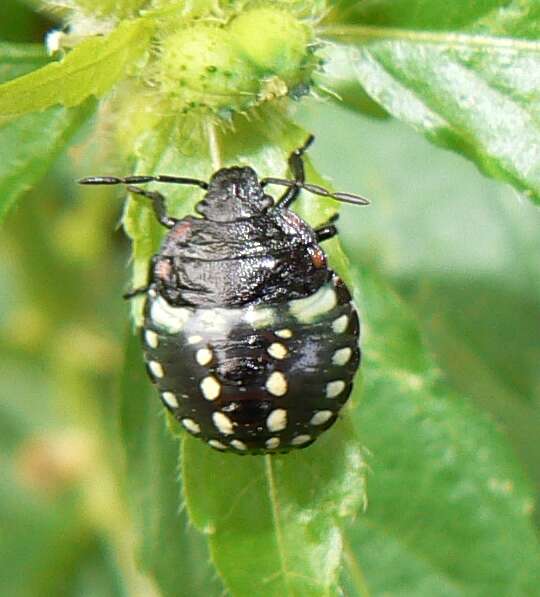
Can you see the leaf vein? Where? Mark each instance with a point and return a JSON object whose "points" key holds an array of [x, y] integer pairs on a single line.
{"points": [[447, 38], [276, 513]]}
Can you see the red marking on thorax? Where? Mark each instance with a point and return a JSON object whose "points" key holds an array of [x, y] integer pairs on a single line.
{"points": [[318, 257], [163, 269], [181, 231]]}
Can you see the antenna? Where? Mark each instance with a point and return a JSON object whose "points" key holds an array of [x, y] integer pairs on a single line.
{"points": [[109, 180], [317, 190]]}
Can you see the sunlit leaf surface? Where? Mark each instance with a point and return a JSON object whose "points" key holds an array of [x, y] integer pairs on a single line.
{"points": [[92, 68], [30, 144], [473, 90], [449, 511]]}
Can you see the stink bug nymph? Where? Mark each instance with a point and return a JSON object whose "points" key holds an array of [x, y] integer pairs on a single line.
{"points": [[251, 340]]}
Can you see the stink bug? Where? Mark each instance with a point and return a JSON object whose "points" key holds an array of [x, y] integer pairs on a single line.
{"points": [[250, 338]]}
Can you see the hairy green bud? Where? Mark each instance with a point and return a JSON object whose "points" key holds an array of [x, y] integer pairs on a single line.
{"points": [[199, 67], [259, 55], [273, 41]]}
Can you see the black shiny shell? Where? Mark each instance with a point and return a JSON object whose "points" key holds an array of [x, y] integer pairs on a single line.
{"points": [[251, 340], [255, 379]]}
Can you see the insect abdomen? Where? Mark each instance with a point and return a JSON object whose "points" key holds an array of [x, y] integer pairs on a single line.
{"points": [[257, 379]]}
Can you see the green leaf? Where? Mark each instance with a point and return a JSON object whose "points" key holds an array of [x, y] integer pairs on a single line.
{"points": [[486, 341], [274, 524], [433, 15], [438, 222], [31, 144], [474, 91], [338, 80], [281, 516], [449, 510], [168, 550], [18, 59], [459, 250], [92, 68]]}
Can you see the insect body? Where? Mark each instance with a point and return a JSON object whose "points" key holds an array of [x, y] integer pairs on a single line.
{"points": [[251, 340]]}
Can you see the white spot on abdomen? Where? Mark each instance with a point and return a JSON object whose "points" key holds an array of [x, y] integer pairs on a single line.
{"points": [[340, 324], [217, 321], [277, 420], [272, 443], [170, 399], [171, 319], [276, 384], [310, 308], [334, 388], [191, 425], [236, 443], [300, 439], [277, 350], [203, 356], [320, 417], [259, 317], [222, 423], [216, 444], [342, 356], [151, 338], [156, 369], [284, 333], [210, 387]]}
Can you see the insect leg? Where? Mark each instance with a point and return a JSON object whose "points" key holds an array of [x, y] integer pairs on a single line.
{"points": [[327, 230], [135, 292], [142, 289], [296, 165], [158, 204]]}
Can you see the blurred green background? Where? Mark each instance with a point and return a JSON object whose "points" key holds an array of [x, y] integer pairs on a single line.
{"points": [[461, 250]]}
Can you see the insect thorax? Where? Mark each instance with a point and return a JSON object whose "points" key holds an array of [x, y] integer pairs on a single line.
{"points": [[264, 259]]}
